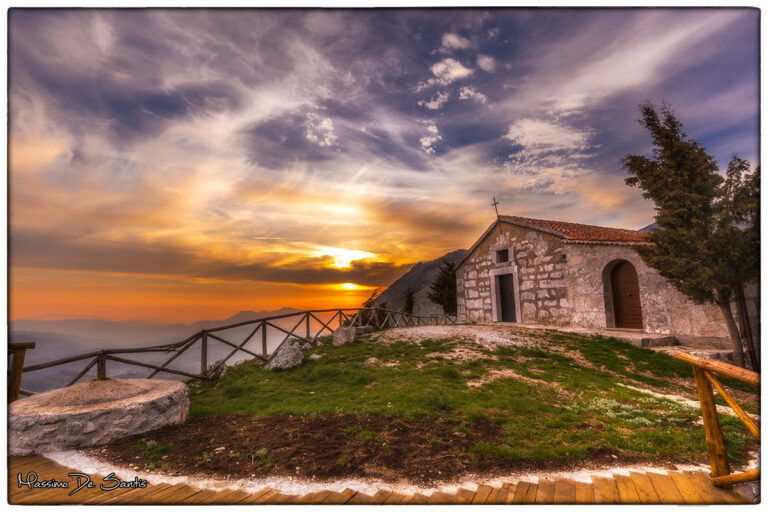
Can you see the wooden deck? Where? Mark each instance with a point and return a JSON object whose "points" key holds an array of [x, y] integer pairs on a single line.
{"points": [[675, 487]]}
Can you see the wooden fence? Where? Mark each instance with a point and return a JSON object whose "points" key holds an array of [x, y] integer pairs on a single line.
{"points": [[302, 330], [703, 370]]}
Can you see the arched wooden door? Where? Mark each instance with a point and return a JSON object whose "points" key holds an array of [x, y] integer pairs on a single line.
{"points": [[626, 296]]}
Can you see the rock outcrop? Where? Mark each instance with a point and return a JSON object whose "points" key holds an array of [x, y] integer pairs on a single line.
{"points": [[344, 335], [93, 413], [287, 357]]}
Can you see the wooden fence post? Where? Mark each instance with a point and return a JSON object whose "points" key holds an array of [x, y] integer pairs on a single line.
{"points": [[18, 352], [341, 319], [307, 337], [718, 457], [101, 366], [204, 353], [264, 339]]}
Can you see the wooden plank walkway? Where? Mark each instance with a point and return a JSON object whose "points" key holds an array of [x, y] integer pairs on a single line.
{"points": [[675, 487]]}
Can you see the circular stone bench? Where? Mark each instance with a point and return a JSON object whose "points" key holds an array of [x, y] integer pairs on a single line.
{"points": [[93, 413]]}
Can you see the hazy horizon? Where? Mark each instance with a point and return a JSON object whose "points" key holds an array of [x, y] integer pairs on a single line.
{"points": [[187, 164]]}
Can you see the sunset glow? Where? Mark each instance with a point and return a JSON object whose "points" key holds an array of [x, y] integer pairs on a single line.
{"points": [[181, 165]]}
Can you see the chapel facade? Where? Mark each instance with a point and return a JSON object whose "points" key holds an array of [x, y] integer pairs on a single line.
{"points": [[537, 271]]}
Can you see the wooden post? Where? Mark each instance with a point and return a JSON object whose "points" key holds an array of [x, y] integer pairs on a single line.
{"points": [[264, 339], [307, 337], [204, 354], [18, 352], [341, 319], [718, 457], [101, 366], [747, 327]]}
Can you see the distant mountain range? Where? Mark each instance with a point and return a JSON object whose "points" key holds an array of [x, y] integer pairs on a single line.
{"points": [[418, 279]]}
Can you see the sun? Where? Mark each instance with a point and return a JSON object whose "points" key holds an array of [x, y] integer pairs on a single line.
{"points": [[342, 258], [349, 286]]}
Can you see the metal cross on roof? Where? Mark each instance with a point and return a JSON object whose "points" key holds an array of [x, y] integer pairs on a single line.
{"points": [[495, 204]]}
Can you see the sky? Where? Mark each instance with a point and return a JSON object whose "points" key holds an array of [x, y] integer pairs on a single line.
{"points": [[181, 165]]}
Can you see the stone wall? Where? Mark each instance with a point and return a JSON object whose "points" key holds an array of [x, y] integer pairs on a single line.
{"points": [[560, 283], [665, 310], [535, 260]]}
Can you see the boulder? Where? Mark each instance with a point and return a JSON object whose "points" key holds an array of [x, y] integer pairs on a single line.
{"points": [[93, 413], [344, 335], [287, 357], [364, 329], [219, 370]]}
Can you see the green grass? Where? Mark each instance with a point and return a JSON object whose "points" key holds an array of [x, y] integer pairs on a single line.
{"points": [[587, 411]]}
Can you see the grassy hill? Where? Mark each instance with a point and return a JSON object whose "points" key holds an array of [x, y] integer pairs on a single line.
{"points": [[399, 404]]}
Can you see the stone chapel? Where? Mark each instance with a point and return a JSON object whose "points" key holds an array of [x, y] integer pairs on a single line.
{"points": [[536, 271]]}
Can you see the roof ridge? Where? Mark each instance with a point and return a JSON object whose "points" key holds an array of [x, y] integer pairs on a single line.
{"points": [[524, 219]]}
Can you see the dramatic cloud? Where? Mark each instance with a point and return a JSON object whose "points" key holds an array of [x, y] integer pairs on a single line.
{"points": [[428, 142], [451, 40], [436, 102], [468, 93], [446, 71], [192, 163], [486, 63]]}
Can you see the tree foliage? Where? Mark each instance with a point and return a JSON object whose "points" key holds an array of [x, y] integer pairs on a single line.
{"points": [[369, 303], [443, 288], [370, 300], [708, 242]]}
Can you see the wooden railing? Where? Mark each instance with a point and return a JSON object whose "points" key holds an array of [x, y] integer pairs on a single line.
{"points": [[703, 370], [302, 330]]}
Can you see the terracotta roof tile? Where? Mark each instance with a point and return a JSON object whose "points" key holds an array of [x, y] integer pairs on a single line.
{"points": [[581, 232]]}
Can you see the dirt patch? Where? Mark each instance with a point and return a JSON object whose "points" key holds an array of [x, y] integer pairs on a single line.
{"points": [[421, 450], [372, 361]]}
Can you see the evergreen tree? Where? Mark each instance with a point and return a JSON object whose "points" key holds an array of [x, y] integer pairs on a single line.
{"points": [[443, 288], [370, 300], [409, 300], [706, 242]]}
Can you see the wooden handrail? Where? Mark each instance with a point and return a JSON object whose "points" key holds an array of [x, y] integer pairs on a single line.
{"points": [[718, 457], [725, 369]]}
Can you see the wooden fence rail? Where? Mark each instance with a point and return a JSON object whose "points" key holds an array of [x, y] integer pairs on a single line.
{"points": [[375, 317], [703, 370]]}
